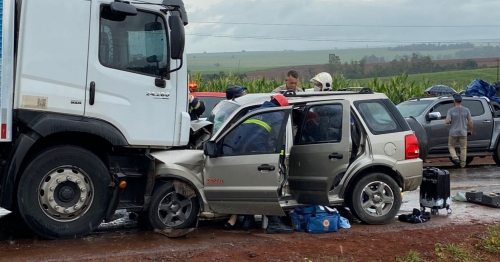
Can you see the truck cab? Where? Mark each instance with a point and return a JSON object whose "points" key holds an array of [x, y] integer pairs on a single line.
{"points": [[88, 88]]}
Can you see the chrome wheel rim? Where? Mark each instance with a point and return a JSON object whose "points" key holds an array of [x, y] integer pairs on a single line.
{"points": [[65, 193], [377, 199]]}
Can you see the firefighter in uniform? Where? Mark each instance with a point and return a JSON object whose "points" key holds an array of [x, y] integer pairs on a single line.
{"points": [[256, 135]]}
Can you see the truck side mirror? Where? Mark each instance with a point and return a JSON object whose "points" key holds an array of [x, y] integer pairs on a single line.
{"points": [[123, 8], [434, 116], [210, 149], [177, 37]]}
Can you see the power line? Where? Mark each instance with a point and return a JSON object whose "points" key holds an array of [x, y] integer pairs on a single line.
{"points": [[345, 25], [342, 40]]}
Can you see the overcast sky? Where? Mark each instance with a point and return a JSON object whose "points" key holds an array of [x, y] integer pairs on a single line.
{"points": [[383, 22]]}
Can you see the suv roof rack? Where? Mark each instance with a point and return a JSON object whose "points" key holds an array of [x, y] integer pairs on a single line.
{"points": [[289, 93]]}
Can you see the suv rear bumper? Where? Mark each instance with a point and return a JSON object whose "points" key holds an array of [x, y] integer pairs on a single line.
{"points": [[411, 172]]}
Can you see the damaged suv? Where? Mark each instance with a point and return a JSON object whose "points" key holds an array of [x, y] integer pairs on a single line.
{"points": [[333, 148]]}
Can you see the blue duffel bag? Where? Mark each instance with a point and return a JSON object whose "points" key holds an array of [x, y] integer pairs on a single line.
{"points": [[315, 219]]}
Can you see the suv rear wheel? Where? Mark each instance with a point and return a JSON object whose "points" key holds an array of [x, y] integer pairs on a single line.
{"points": [[376, 199]]}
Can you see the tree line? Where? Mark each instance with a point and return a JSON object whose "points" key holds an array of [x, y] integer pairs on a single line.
{"points": [[408, 64], [431, 47]]}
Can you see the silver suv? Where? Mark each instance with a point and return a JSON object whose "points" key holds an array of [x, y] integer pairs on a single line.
{"points": [[332, 148]]}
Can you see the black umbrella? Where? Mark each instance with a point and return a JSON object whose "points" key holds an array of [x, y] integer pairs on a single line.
{"points": [[440, 90]]}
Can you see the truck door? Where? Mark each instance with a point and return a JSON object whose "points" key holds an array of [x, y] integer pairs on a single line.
{"points": [[483, 124], [321, 151], [245, 180], [126, 55]]}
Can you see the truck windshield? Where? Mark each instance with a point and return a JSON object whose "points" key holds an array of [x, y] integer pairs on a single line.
{"points": [[413, 108], [133, 43], [220, 113]]}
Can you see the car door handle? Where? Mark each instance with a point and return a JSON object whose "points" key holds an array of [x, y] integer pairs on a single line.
{"points": [[265, 167], [335, 155], [487, 121], [92, 93]]}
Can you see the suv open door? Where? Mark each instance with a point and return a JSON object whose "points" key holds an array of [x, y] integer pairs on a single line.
{"points": [[321, 151], [245, 179]]}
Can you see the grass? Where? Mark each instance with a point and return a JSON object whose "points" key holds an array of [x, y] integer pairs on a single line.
{"points": [[490, 241], [243, 62], [411, 256], [457, 79]]}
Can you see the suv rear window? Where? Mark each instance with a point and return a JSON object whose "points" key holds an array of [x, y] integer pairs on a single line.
{"points": [[377, 117]]}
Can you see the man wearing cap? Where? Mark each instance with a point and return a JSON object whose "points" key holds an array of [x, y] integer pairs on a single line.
{"points": [[291, 82], [233, 92], [458, 117]]}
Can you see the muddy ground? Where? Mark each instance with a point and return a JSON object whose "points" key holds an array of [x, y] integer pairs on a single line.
{"points": [[211, 242]]}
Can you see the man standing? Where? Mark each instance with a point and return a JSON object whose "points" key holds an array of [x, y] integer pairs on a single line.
{"points": [[255, 135], [291, 81], [458, 117]]}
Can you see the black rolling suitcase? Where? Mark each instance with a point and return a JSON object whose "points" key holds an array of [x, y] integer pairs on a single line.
{"points": [[435, 190]]}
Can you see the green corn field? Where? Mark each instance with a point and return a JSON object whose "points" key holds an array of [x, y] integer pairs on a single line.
{"points": [[397, 88]]}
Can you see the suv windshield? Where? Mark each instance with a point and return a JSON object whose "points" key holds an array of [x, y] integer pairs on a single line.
{"points": [[220, 113], [413, 108]]}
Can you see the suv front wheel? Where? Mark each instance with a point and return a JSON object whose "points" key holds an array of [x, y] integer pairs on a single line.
{"points": [[375, 199]]}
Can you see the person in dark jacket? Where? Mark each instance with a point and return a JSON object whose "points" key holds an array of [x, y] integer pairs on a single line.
{"points": [[255, 135], [233, 92], [196, 107]]}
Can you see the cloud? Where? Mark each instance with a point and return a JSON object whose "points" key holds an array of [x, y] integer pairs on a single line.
{"points": [[379, 17]]}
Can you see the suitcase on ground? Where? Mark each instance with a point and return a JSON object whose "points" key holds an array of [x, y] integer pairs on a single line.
{"points": [[435, 190]]}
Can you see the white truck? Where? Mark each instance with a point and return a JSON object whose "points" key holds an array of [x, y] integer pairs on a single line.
{"points": [[88, 88]]}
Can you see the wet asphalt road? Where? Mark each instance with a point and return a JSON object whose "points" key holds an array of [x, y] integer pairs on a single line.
{"points": [[122, 237]]}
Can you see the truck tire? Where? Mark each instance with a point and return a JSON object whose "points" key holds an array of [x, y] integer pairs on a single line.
{"points": [[496, 155], [64, 192], [169, 208], [421, 136], [375, 199]]}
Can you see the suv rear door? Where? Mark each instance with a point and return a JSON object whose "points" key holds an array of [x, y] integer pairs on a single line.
{"points": [[244, 181], [321, 151]]}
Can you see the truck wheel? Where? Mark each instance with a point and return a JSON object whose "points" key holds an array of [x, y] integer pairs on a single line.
{"points": [[169, 208], [64, 192], [375, 199]]}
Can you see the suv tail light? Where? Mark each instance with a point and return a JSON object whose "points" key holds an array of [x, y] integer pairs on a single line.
{"points": [[411, 147]]}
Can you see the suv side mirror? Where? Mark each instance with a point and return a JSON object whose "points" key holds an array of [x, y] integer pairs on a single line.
{"points": [[434, 116], [210, 149]]}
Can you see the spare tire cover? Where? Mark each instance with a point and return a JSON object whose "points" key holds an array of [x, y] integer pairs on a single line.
{"points": [[420, 134]]}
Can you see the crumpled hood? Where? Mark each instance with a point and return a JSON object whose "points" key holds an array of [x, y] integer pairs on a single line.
{"points": [[190, 159]]}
